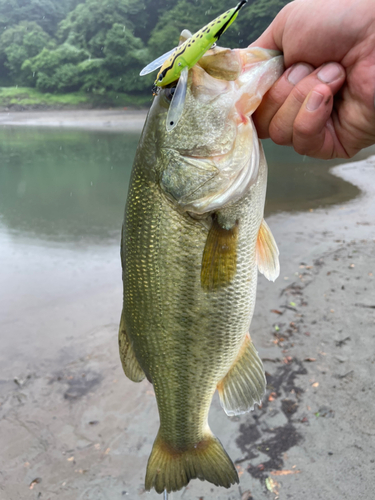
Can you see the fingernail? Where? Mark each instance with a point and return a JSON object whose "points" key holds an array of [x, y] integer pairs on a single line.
{"points": [[314, 101], [298, 72], [329, 73]]}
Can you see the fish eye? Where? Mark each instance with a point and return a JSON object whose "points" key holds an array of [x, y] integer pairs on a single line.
{"points": [[169, 93], [161, 78]]}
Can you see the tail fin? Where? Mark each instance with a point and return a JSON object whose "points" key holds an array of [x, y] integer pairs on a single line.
{"points": [[170, 469]]}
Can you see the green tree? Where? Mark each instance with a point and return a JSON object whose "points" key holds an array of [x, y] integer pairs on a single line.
{"points": [[125, 55], [46, 13], [185, 14], [146, 22], [19, 43], [57, 69], [105, 29], [86, 24], [95, 78]]}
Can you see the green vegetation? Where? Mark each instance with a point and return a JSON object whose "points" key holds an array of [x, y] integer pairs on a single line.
{"points": [[90, 52], [26, 97]]}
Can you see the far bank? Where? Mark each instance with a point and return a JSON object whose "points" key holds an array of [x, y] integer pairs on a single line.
{"points": [[119, 120], [13, 99]]}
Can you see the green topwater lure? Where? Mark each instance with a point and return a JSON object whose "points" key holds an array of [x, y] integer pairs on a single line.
{"points": [[175, 64]]}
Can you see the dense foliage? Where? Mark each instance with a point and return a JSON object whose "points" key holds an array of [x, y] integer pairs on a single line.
{"points": [[100, 46]]}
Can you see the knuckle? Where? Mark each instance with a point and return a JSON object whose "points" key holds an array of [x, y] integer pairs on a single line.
{"points": [[307, 127], [275, 97], [303, 130], [306, 140], [279, 134], [299, 95]]}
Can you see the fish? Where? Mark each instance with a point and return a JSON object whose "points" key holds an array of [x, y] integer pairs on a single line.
{"points": [[192, 242]]}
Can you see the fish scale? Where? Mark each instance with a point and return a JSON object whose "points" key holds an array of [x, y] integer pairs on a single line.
{"points": [[170, 279], [187, 337]]}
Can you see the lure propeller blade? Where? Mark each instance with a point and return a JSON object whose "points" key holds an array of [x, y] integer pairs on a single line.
{"points": [[156, 64], [178, 100]]}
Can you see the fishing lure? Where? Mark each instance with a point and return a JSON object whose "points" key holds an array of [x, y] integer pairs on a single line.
{"points": [[189, 53], [175, 64]]}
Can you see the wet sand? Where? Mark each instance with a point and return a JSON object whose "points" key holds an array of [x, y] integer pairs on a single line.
{"points": [[75, 428]]}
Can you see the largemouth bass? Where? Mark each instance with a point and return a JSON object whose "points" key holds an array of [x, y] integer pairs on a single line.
{"points": [[192, 243]]}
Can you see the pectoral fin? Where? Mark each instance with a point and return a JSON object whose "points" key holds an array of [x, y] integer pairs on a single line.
{"points": [[267, 253], [245, 383], [129, 362], [219, 260]]}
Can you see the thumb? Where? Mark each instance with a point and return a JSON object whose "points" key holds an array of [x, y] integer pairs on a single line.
{"points": [[272, 37], [267, 39]]}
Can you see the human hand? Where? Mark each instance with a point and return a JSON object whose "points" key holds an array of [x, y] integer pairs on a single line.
{"points": [[327, 112]]}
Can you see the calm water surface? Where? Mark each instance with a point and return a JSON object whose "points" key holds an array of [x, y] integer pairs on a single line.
{"points": [[62, 197], [71, 186]]}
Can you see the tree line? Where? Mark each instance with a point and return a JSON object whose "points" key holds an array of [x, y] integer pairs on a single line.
{"points": [[101, 45]]}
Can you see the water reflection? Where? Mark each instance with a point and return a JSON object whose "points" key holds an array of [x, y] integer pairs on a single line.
{"points": [[297, 183], [64, 185], [70, 186]]}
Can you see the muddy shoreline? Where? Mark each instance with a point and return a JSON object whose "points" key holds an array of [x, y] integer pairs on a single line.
{"points": [[75, 428], [114, 120]]}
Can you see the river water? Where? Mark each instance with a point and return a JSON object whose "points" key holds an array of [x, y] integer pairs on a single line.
{"points": [[62, 196]]}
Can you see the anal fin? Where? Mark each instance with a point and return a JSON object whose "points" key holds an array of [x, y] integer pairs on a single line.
{"points": [[129, 362], [245, 383], [267, 253], [219, 260]]}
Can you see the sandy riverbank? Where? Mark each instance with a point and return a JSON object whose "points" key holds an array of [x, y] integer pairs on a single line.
{"points": [[120, 120], [81, 430]]}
